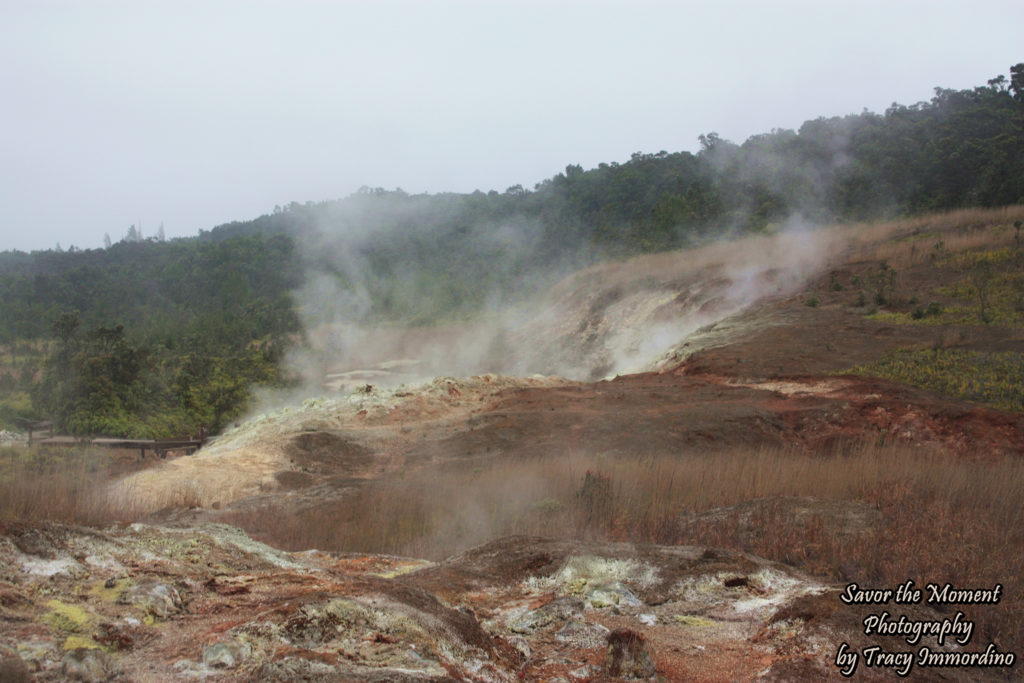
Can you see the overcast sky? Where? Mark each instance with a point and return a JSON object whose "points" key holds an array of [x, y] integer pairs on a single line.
{"points": [[194, 114]]}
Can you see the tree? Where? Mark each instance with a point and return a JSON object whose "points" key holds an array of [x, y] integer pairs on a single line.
{"points": [[1017, 81], [65, 326]]}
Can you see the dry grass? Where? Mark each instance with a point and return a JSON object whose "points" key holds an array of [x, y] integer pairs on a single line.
{"points": [[39, 484], [948, 221], [434, 514], [911, 241], [945, 520]]}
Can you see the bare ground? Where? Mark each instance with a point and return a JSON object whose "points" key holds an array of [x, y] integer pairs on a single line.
{"points": [[743, 373]]}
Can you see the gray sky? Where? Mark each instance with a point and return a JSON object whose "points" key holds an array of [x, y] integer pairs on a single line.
{"points": [[195, 114]]}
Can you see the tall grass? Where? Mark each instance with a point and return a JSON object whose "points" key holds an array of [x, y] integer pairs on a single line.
{"points": [[41, 484], [944, 519], [888, 237]]}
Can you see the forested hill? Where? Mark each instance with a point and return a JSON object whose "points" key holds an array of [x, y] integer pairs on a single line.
{"points": [[218, 310], [963, 148]]}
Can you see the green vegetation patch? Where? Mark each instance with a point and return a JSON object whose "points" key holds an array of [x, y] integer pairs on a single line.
{"points": [[934, 314], [992, 379], [974, 258], [74, 642], [14, 405], [67, 618]]}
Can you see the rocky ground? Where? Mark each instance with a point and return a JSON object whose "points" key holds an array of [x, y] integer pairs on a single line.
{"points": [[151, 603], [9, 438]]}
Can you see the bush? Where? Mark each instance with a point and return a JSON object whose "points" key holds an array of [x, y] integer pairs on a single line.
{"points": [[13, 406]]}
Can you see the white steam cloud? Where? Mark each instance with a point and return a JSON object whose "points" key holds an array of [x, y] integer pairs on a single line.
{"points": [[607, 319]]}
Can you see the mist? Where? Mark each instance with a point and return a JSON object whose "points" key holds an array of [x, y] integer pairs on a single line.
{"points": [[591, 274], [383, 305]]}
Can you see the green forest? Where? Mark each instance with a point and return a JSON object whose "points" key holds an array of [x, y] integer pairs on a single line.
{"points": [[152, 338]]}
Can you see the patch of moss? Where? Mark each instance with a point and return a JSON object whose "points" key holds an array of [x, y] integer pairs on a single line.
{"points": [[111, 594], [74, 642], [67, 618]]}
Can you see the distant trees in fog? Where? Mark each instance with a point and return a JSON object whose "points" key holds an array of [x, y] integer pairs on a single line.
{"points": [[211, 315]]}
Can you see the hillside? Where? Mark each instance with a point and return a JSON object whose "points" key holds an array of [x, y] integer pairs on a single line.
{"points": [[784, 336], [750, 428], [214, 316], [656, 420]]}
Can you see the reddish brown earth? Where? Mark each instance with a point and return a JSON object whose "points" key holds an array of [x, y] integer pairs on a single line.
{"points": [[771, 383], [146, 603], [765, 375]]}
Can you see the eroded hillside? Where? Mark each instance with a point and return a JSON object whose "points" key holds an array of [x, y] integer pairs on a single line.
{"points": [[839, 401], [740, 344]]}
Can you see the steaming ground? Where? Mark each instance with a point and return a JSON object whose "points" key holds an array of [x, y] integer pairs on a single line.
{"points": [[362, 436], [606, 320]]}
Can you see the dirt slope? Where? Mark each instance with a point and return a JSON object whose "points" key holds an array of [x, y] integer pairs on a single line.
{"points": [[728, 352]]}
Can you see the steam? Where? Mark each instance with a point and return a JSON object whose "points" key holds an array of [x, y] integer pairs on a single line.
{"points": [[559, 319], [609, 318]]}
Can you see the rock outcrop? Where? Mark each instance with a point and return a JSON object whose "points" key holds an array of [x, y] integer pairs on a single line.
{"points": [[149, 603]]}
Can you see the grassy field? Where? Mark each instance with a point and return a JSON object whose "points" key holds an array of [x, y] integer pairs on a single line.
{"points": [[958, 278], [945, 520]]}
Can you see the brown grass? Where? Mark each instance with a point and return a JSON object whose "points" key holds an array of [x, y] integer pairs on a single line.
{"points": [[945, 520], [40, 484], [947, 221], [910, 241]]}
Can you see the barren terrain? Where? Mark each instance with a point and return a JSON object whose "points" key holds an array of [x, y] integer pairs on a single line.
{"points": [[746, 347]]}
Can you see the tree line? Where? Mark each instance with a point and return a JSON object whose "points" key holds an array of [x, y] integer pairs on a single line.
{"points": [[153, 337]]}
